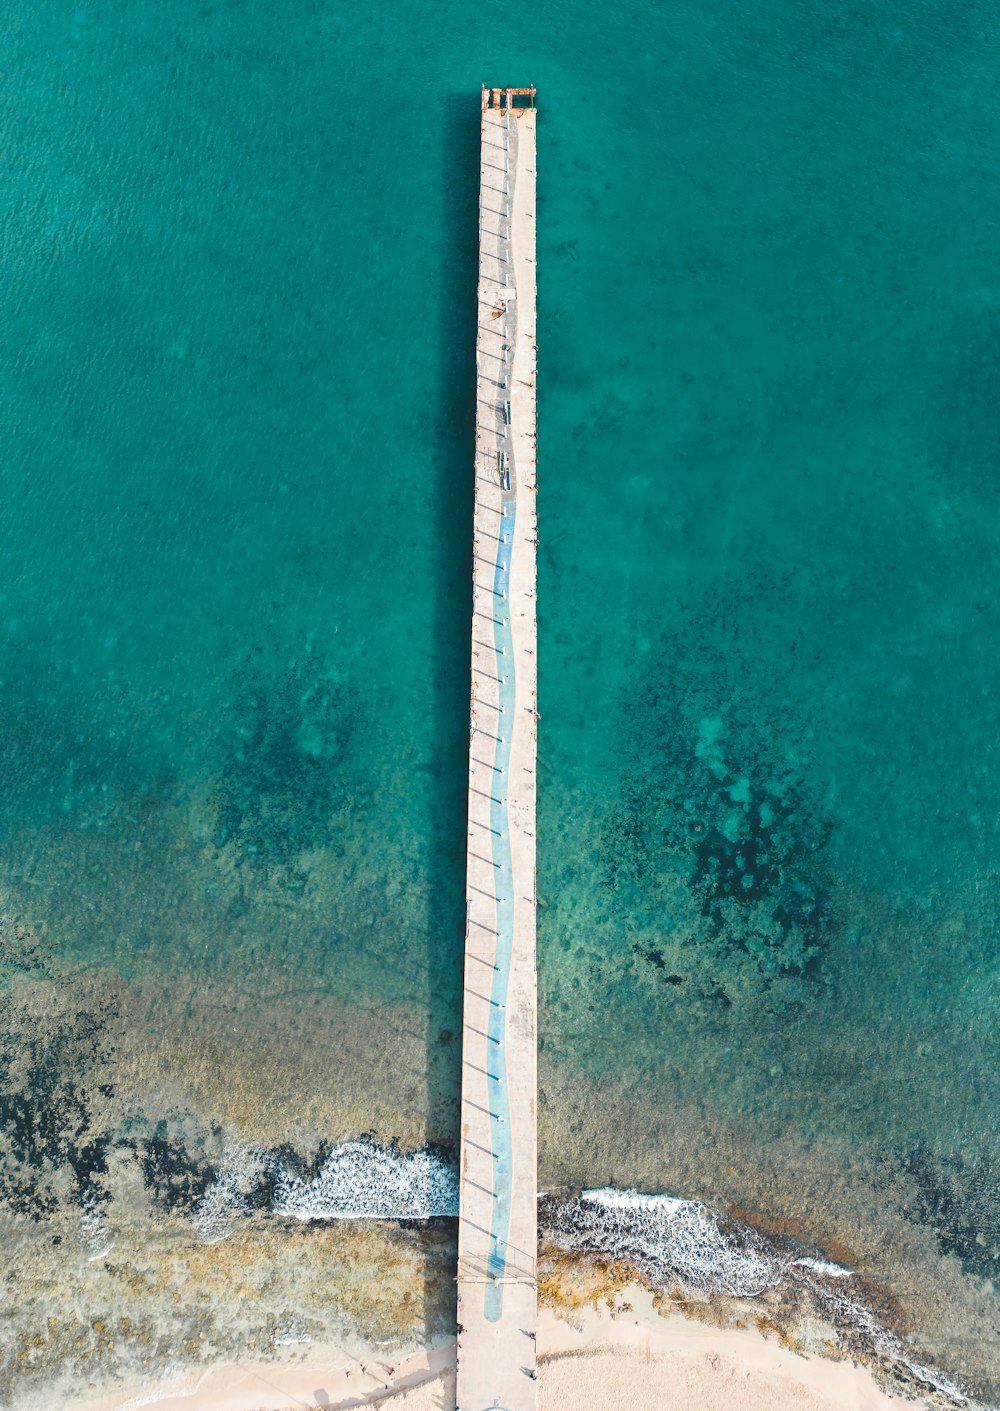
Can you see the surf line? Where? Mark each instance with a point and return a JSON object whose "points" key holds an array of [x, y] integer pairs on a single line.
{"points": [[497, 1027]]}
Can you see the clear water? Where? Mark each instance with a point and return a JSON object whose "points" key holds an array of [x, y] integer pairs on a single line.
{"points": [[236, 442]]}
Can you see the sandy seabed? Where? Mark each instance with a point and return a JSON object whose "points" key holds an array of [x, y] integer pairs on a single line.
{"points": [[622, 1358]]}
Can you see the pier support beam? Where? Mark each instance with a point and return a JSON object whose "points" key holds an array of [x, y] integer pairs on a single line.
{"points": [[497, 1290]]}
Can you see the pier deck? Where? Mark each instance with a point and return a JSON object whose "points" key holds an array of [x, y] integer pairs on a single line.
{"points": [[497, 1292]]}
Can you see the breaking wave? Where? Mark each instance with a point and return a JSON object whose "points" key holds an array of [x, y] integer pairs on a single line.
{"points": [[357, 1180], [234, 1193], [93, 1234], [668, 1240]]}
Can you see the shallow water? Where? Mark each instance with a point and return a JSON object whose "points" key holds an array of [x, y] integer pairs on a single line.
{"points": [[238, 390]]}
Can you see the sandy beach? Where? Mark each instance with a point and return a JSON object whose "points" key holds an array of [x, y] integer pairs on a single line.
{"points": [[622, 1358]]}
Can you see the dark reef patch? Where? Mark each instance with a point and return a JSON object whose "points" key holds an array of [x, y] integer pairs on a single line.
{"points": [[175, 1176], [718, 796], [956, 1196], [49, 1118]]}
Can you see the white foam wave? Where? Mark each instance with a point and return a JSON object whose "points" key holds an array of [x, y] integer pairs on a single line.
{"points": [[357, 1181], [857, 1314], [93, 1232], [362, 1181], [614, 1199], [669, 1239], [824, 1268], [227, 1200]]}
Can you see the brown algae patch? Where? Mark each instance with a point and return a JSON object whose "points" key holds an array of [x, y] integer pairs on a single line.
{"points": [[277, 1290]]}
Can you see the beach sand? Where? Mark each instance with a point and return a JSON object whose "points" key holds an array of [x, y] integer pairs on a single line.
{"points": [[625, 1359]]}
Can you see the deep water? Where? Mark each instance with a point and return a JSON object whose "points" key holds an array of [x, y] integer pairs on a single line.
{"points": [[239, 260]]}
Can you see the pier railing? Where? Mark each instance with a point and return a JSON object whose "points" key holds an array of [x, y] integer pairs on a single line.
{"points": [[508, 98]]}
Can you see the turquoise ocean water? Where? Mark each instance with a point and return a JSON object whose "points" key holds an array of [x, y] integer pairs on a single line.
{"points": [[239, 256]]}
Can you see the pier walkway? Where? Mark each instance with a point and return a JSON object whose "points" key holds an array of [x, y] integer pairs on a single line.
{"points": [[497, 1241]]}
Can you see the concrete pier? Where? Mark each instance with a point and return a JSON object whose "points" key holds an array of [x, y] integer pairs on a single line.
{"points": [[497, 1291]]}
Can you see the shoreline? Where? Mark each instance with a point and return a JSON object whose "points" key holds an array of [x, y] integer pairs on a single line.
{"points": [[621, 1353], [282, 1386]]}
